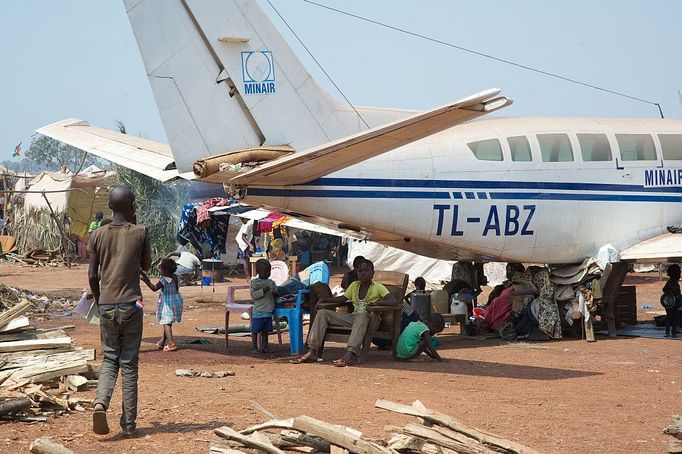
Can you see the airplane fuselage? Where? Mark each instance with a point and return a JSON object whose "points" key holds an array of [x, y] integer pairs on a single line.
{"points": [[546, 190]]}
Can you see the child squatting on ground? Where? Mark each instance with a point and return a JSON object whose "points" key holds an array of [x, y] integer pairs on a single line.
{"points": [[416, 338], [263, 291], [169, 306]]}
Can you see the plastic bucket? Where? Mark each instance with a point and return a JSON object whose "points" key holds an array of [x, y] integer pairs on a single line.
{"points": [[206, 280]]}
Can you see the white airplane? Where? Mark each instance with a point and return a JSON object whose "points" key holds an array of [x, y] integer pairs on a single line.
{"points": [[542, 190]]}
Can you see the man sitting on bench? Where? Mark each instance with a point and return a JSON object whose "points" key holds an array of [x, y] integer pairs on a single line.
{"points": [[362, 293], [189, 265]]}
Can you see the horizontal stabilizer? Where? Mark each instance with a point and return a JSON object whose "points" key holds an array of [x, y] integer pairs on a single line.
{"points": [[150, 158], [662, 248], [308, 165]]}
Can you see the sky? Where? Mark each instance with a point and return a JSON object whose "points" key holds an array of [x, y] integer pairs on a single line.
{"points": [[79, 59]]}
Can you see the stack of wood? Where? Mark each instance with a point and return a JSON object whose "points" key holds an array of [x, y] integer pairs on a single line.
{"points": [[434, 433], [40, 370], [36, 257]]}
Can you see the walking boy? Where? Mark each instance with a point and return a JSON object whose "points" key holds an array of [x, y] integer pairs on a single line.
{"points": [[117, 252]]}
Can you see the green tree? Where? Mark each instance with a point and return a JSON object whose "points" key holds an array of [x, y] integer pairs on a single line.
{"points": [[158, 206], [53, 154]]}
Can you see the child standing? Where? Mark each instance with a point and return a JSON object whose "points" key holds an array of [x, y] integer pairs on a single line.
{"points": [[263, 290], [169, 306], [672, 287], [417, 338]]}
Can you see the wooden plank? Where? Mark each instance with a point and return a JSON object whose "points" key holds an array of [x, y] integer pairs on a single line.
{"points": [[272, 424], [230, 434], [14, 312], [338, 435], [15, 324], [54, 371], [457, 442], [16, 355], [33, 334], [48, 357], [449, 422], [35, 344], [333, 449], [306, 440]]}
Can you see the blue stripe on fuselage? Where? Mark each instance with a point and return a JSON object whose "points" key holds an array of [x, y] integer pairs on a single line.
{"points": [[474, 184], [429, 195]]}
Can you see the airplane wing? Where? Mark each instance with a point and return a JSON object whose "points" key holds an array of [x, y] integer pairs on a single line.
{"points": [[150, 158], [308, 165], [662, 248]]}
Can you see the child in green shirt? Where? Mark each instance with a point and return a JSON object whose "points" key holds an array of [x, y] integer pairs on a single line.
{"points": [[416, 338]]}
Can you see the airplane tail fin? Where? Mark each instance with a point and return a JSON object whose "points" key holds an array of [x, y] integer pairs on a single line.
{"points": [[224, 78]]}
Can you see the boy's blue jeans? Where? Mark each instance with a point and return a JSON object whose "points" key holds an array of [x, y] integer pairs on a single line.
{"points": [[121, 334]]}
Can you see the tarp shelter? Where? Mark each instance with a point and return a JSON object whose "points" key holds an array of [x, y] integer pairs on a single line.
{"points": [[48, 181], [91, 196]]}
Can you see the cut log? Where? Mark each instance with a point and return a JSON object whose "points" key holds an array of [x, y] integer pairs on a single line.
{"points": [[449, 422], [35, 344], [14, 405], [338, 436], [14, 312], [462, 444], [272, 424], [45, 445], [230, 434], [337, 450], [306, 440]]}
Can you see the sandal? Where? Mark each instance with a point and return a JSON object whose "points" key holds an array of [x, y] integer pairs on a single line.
{"points": [[170, 348], [99, 422], [159, 345], [302, 360], [342, 362]]}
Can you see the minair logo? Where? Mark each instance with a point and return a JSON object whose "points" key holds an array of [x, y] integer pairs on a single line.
{"points": [[659, 178], [258, 69]]}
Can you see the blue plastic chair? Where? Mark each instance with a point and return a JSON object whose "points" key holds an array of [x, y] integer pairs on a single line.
{"points": [[317, 272]]}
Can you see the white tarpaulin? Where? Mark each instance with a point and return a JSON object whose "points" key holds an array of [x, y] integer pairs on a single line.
{"points": [[48, 182], [388, 258]]}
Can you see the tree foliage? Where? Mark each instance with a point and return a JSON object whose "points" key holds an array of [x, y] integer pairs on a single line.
{"points": [[158, 206], [53, 155]]}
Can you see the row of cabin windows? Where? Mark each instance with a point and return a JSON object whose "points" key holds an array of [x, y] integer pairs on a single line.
{"points": [[593, 147]]}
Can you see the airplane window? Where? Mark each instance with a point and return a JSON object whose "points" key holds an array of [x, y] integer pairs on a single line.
{"points": [[594, 147], [555, 148], [636, 147], [671, 145], [520, 150], [487, 150]]}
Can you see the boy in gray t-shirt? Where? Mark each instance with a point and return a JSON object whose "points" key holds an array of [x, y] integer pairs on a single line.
{"points": [[263, 290]]}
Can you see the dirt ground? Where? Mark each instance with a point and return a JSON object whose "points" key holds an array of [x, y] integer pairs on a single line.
{"points": [[615, 395]]}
